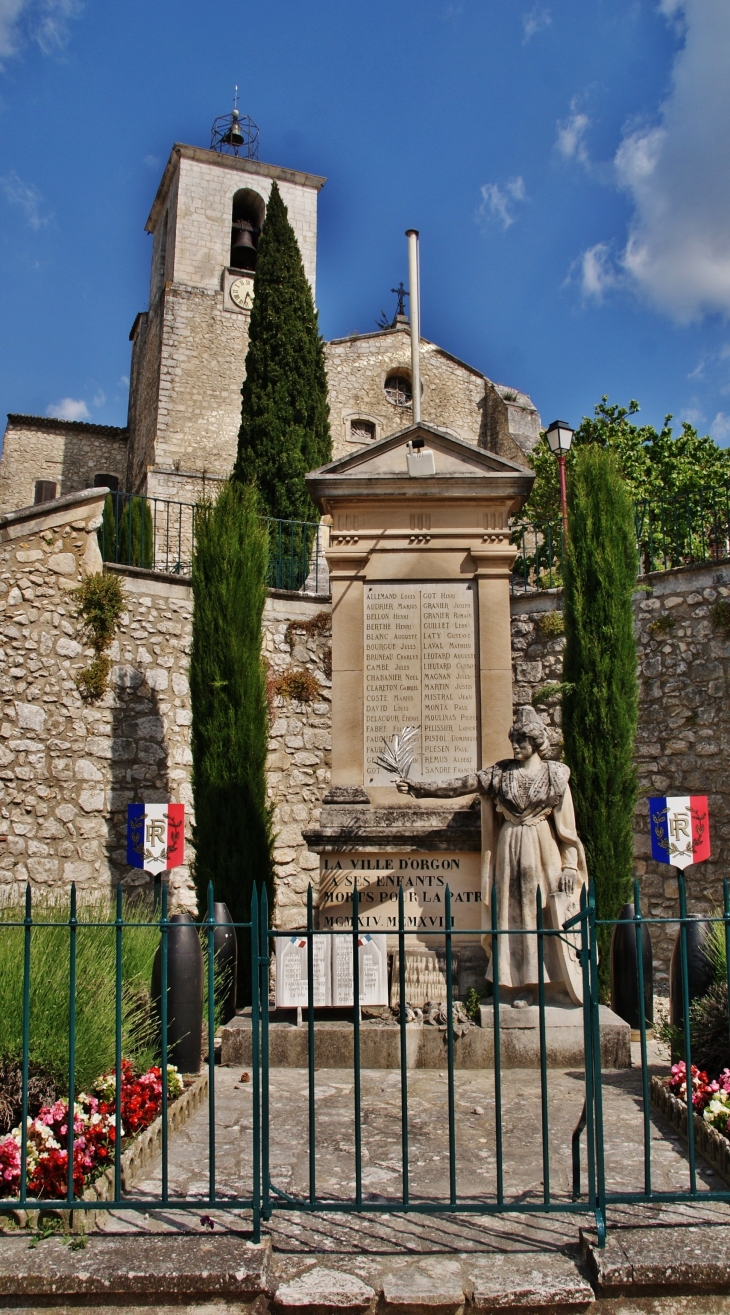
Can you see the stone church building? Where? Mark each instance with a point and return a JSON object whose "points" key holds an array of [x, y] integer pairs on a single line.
{"points": [[189, 354]]}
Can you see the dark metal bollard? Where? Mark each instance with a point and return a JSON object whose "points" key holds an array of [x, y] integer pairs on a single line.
{"points": [[226, 958], [624, 971], [699, 970], [184, 993]]}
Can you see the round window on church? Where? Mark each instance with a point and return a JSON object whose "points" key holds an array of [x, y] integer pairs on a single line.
{"points": [[398, 390]]}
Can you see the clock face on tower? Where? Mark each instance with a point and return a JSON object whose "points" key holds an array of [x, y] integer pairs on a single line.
{"points": [[242, 293]]}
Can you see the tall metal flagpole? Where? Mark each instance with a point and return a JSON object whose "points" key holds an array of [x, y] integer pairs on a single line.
{"points": [[414, 286]]}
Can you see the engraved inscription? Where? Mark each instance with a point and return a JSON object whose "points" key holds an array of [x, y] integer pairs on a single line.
{"points": [[423, 878], [420, 670]]}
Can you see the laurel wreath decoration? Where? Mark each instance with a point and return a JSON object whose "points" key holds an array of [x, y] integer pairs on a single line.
{"points": [[668, 845]]}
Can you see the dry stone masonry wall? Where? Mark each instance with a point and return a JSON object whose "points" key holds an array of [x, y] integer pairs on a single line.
{"points": [[683, 738], [69, 768]]}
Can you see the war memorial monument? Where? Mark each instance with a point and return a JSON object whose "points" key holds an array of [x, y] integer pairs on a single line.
{"points": [[436, 781]]}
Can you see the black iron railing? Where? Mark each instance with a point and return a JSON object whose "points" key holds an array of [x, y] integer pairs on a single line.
{"points": [[682, 531], [159, 535]]}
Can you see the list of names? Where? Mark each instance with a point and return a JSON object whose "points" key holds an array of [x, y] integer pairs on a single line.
{"points": [[420, 670]]}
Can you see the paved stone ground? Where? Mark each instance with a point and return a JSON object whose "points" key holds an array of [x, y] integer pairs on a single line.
{"points": [[659, 1260], [370, 1244]]}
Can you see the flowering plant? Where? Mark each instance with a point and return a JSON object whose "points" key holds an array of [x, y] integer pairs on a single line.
{"points": [[710, 1099], [94, 1132]]}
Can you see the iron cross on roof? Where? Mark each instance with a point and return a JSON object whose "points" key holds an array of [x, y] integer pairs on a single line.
{"points": [[401, 294]]}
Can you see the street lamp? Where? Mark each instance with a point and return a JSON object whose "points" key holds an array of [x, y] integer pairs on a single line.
{"points": [[560, 437]]}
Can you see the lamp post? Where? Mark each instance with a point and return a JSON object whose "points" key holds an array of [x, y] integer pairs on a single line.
{"points": [[560, 437]]}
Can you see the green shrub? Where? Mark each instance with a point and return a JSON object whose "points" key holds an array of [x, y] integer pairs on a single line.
{"points": [[551, 624], [720, 617], [107, 533], [95, 989], [663, 625], [100, 603]]}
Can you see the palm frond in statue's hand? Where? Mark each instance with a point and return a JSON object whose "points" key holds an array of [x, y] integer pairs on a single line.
{"points": [[400, 752]]}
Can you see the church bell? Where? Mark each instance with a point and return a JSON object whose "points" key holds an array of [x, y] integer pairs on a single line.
{"points": [[243, 245], [234, 136]]}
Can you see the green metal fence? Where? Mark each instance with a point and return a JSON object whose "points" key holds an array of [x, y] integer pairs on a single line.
{"points": [[593, 1197]]}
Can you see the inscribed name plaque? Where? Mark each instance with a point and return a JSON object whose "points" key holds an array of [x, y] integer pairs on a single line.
{"points": [[372, 956], [420, 670], [291, 971], [423, 879], [332, 970]]}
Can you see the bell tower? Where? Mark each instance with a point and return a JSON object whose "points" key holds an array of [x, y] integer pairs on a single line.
{"points": [[189, 348]]}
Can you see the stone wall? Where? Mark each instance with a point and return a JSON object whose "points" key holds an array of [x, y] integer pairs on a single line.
{"points": [[66, 452], [68, 769], [144, 385], [455, 396], [202, 363], [683, 737]]}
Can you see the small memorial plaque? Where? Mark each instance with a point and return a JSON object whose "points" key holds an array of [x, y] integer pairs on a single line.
{"points": [[291, 971], [332, 970], [373, 967]]}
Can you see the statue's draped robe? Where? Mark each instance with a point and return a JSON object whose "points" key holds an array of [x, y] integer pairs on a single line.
{"points": [[528, 837]]}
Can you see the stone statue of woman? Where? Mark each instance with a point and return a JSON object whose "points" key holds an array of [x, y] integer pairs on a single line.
{"points": [[529, 840]]}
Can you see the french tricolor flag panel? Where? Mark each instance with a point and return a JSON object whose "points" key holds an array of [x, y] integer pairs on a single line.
{"points": [[680, 829], [155, 836]]}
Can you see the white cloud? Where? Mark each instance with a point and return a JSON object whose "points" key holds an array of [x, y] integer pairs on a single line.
{"points": [[99, 398], [10, 11], [538, 18], [123, 381], [42, 21], [498, 203], [720, 428], [692, 415], [151, 161], [570, 139], [69, 408], [597, 272], [27, 196], [677, 173]]}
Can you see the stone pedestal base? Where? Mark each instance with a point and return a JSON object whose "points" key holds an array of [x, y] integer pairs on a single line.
{"points": [[519, 1031], [426, 1045]]}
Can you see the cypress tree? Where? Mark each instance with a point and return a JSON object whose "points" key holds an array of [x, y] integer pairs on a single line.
{"points": [[600, 704], [107, 532], [232, 831], [136, 533], [285, 415]]}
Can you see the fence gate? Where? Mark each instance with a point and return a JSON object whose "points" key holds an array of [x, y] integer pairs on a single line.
{"points": [[504, 1195]]}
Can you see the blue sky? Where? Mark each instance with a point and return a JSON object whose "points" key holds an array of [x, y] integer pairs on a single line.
{"points": [[566, 161]]}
